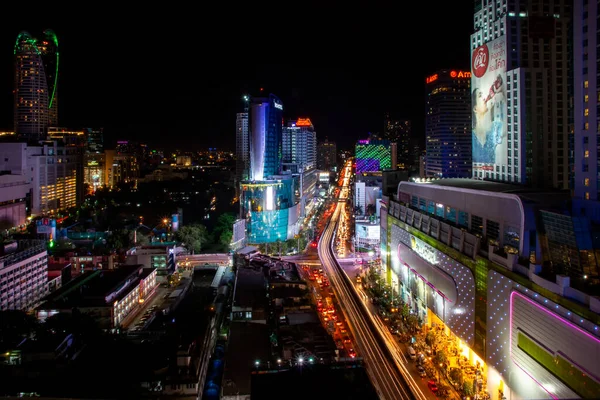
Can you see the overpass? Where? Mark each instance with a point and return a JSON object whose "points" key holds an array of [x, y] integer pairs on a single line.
{"points": [[193, 260]]}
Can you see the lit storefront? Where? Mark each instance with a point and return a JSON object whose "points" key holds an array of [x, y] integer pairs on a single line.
{"points": [[511, 332]]}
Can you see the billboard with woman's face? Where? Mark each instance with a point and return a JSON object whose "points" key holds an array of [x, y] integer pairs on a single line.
{"points": [[488, 80]]}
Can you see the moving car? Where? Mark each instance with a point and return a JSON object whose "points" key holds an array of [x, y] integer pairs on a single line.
{"points": [[432, 386], [421, 371]]}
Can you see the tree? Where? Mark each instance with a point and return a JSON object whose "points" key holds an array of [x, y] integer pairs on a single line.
{"points": [[225, 239], [192, 237], [456, 376], [224, 223]]}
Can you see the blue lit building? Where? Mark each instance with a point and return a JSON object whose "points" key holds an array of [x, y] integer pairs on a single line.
{"points": [[269, 201], [266, 115]]}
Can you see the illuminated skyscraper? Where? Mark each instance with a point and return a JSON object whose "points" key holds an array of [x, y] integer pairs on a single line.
{"points": [[35, 91], [265, 136], [448, 124], [299, 144]]}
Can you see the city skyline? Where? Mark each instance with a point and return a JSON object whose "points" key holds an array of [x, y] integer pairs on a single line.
{"points": [[343, 74]]}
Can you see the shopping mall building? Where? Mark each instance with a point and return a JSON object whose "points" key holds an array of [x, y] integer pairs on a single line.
{"points": [[467, 255]]}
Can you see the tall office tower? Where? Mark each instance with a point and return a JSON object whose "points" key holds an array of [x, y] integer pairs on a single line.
{"points": [[299, 157], [520, 83], [327, 156], [242, 146], [399, 131], [299, 144], [374, 155], [448, 124], [35, 91], [265, 136]]}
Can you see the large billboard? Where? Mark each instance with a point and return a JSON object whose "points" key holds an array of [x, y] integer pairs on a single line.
{"points": [[488, 101]]}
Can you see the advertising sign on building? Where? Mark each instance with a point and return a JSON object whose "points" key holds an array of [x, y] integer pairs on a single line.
{"points": [[488, 101]]}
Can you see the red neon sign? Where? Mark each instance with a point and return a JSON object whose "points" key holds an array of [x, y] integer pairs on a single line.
{"points": [[431, 78], [460, 74], [303, 122]]}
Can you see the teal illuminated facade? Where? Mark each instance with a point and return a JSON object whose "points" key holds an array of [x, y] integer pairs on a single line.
{"points": [[271, 209]]}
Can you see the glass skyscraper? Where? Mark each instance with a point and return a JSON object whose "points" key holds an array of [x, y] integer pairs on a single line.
{"points": [[265, 136]]}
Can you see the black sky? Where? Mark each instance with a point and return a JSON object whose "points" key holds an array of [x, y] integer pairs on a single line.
{"points": [[174, 78]]}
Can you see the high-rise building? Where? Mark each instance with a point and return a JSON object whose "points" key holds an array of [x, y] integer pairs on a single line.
{"points": [[448, 124], [242, 146], [270, 201], [299, 144], [94, 159], [125, 163], [73, 144], [299, 157], [520, 83], [586, 185], [327, 156], [35, 91], [265, 136], [399, 131]]}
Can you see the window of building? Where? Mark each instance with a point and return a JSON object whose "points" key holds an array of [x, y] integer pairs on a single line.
{"points": [[511, 236], [586, 182], [431, 207], [463, 219], [451, 214], [492, 229], [477, 224]]}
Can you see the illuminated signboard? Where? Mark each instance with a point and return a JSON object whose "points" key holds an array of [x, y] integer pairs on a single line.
{"points": [[431, 78], [278, 106], [453, 74], [491, 150], [303, 122], [424, 250], [460, 74]]}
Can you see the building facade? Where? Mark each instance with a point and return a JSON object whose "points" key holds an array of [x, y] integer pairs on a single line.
{"points": [[375, 155], [265, 136], [23, 274], [466, 256], [327, 156], [448, 124], [36, 79], [586, 186], [520, 83], [399, 131]]}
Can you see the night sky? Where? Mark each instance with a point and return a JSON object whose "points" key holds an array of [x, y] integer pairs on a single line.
{"points": [[174, 79]]}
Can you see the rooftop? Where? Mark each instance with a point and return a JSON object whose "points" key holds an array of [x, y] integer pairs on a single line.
{"points": [[524, 192]]}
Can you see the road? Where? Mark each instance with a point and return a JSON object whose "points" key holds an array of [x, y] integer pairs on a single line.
{"points": [[381, 365]]}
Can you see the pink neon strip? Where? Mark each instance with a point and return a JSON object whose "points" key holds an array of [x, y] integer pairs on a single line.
{"points": [[564, 321]]}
